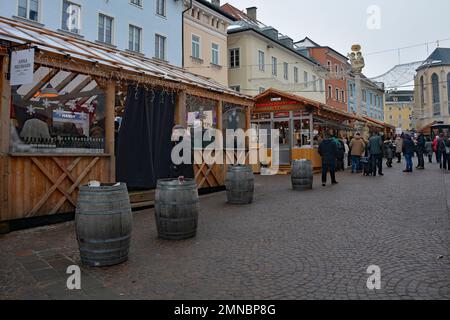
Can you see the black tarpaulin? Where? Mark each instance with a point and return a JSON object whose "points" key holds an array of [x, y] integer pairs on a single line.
{"points": [[144, 148]]}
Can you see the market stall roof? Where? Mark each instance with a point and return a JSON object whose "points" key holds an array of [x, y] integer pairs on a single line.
{"points": [[378, 123], [320, 108], [121, 61]]}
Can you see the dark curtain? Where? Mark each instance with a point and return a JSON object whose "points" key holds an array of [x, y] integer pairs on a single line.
{"points": [[144, 148]]}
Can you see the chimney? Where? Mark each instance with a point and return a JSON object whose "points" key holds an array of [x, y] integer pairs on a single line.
{"points": [[251, 13], [216, 3]]}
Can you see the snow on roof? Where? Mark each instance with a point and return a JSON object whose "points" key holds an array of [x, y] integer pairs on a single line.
{"points": [[401, 75], [47, 40]]}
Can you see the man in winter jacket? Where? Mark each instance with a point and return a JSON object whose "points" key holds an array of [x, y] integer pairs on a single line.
{"points": [[328, 152], [408, 151], [375, 147], [442, 154], [357, 147], [420, 151]]}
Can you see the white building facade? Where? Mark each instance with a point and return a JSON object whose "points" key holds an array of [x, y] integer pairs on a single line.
{"points": [[152, 28]]}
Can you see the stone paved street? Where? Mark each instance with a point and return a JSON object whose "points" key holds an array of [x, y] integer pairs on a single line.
{"points": [[287, 245]]}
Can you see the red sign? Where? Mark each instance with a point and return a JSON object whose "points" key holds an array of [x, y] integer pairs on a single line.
{"points": [[275, 104]]}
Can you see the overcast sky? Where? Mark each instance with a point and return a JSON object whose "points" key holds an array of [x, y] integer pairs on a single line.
{"points": [[339, 24]]}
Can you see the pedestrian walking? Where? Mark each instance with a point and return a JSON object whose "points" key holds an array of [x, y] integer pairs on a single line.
{"points": [[340, 155], [399, 148], [375, 147], [357, 149], [346, 152], [442, 154], [328, 152], [389, 152], [435, 148], [447, 152], [429, 150], [420, 148], [408, 150]]}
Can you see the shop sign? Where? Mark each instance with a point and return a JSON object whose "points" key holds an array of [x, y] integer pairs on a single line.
{"points": [[22, 67]]}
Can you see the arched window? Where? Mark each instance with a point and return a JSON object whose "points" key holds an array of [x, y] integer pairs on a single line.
{"points": [[436, 97], [422, 91], [448, 91]]}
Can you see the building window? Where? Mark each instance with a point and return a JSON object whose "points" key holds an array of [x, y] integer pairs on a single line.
{"points": [[337, 94], [305, 78], [135, 36], [261, 89], [261, 63], [160, 47], [329, 65], [285, 71], [215, 54], [321, 85], [314, 79], [296, 74], [436, 97], [274, 66], [29, 9], [330, 90], [195, 47], [161, 7], [137, 2], [236, 88], [343, 96], [105, 29], [71, 17], [234, 58]]}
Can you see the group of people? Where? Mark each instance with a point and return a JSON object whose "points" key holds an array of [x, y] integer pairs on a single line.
{"points": [[370, 153]]}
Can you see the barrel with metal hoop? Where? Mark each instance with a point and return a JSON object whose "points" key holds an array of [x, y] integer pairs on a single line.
{"points": [[240, 183], [302, 175], [103, 223], [176, 208]]}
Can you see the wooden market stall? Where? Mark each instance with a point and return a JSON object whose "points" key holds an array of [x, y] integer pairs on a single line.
{"points": [[58, 132], [374, 125], [300, 122]]}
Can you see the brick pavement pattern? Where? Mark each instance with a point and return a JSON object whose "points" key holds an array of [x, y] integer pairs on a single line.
{"points": [[286, 245]]}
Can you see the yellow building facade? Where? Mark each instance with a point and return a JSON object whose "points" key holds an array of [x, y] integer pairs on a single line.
{"points": [[399, 109], [205, 40]]}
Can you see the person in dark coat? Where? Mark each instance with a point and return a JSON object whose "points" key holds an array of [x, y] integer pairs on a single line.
{"points": [[375, 147], [421, 151], [328, 151], [181, 136], [442, 154], [408, 151]]}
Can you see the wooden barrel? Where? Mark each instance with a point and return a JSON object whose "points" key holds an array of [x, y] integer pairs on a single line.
{"points": [[240, 183], [176, 209], [302, 175], [103, 222]]}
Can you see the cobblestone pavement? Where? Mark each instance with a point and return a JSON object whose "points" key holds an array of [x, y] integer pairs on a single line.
{"points": [[287, 245]]}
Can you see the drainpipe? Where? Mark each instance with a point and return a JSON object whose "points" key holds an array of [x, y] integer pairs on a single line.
{"points": [[182, 31]]}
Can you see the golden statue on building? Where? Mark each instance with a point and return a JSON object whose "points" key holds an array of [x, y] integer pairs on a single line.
{"points": [[356, 59]]}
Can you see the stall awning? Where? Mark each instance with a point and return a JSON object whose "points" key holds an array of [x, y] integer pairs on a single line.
{"points": [[275, 100], [377, 123], [119, 64]]}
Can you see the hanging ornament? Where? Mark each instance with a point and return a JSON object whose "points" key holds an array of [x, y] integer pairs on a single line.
{"points": [[31, 110], [72, 105], [59, 111], [91, 108], [46, 103]]}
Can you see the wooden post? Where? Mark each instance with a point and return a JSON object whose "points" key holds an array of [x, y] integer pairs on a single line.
{"points": [[110, 102], [180, 109], [4, 143]]}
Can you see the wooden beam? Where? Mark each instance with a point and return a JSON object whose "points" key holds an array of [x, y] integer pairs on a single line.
{"points": [[180, 109], [40, 84], [5, 106], [110, 108], [66, 81]]}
